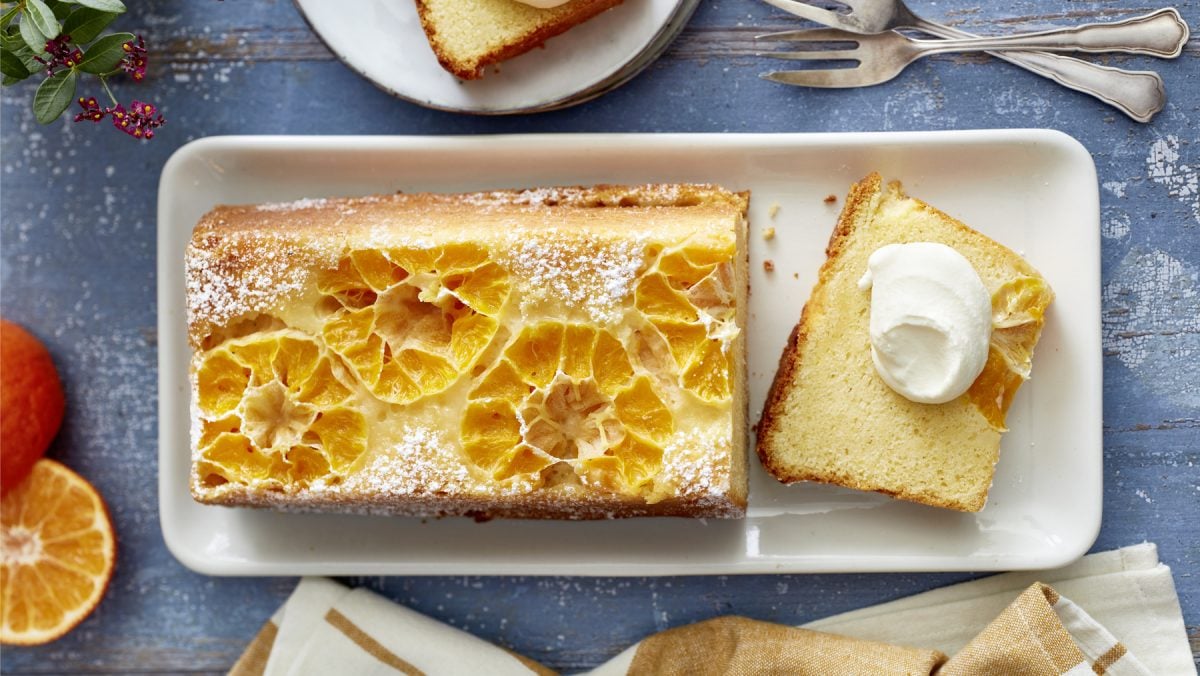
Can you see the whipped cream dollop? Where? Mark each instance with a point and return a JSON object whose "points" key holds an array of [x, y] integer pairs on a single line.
{"points": [[544, 4], [931, 320]]}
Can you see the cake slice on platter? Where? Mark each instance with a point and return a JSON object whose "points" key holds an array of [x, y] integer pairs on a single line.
{"points": [[886, 383]]}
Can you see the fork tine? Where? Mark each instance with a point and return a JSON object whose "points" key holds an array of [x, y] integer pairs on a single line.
{"points": [[831, 78], [810, 12], [816, 55], [811, 35]]}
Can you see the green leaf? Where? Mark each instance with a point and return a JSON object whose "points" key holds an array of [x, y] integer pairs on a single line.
{"points": [[26, 56], [11, 66], [60, 9], [10, 39], [32, 35], [115, 6], [9, 14], [105, 53], [43, 18], [85, 23], [54, 95]]}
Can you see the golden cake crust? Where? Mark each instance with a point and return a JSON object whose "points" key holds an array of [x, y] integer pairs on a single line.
{"points": [[857, 202], [472, 67]]}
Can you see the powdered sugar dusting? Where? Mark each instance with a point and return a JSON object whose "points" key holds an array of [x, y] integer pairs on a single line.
{"points": [[688, 464], [596, 280], [423, 462], [296, 205], [244, 273]]}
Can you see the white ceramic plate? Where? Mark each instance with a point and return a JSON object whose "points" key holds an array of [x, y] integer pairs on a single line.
{"points": [[383, 41], [1034, 190]]}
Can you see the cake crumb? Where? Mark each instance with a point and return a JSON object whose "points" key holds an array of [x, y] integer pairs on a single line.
{"points": [[795, 275], [769, 265], [774, 210], [768, 234], [830, 198]]}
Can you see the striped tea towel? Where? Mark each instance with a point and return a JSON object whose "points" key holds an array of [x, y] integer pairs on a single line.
{"points": [[1011, 623]]}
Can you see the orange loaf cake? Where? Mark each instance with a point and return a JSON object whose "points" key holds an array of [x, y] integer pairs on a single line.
{"points": [[568, 353]]}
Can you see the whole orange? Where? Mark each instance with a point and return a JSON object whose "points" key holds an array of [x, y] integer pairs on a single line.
{"points": [[31, 403]]}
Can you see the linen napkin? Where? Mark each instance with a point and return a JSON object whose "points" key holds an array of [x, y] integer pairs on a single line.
{"points": [[1010, 623]]}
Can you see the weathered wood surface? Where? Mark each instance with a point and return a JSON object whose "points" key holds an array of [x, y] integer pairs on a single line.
{"points": [[78, 268]]}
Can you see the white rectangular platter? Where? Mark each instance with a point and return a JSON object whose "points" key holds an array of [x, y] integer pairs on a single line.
{"points": [[1032, 190]]}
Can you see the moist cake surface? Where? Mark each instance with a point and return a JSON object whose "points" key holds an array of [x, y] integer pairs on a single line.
{"points": [[558, 353]]}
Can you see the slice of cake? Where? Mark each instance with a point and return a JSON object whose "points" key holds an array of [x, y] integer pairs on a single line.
{"points": [[469, 35], [831, 417], [553, 353]]}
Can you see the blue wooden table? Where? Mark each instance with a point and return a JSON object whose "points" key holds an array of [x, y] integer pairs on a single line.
{"points": [[78, 238]]}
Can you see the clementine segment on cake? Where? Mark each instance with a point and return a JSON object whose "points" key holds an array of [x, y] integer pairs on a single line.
{"points": [[567, 352], [57, 556]]}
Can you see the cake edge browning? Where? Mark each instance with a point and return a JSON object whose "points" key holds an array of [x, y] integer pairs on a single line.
{"points": [[528, 506], [861, 195], [582, 10]]}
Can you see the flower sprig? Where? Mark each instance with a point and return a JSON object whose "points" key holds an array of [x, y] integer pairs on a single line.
{"points": [[61, 39]]}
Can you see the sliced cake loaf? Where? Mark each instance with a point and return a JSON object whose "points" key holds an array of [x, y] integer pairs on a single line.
{"points": [[829, 416], [469, 35]]}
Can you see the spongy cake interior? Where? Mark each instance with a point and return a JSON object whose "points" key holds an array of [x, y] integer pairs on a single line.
{"points": [[831, 418], [467, 34]]}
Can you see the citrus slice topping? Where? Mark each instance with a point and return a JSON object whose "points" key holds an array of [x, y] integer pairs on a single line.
{"points": [[57, 556], [287, 423], [409, 322], [566, 403], [1018, 313], [656, 298]]}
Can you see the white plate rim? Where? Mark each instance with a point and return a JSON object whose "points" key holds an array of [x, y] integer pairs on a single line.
{"points": [[170, 327], [617, 75]]}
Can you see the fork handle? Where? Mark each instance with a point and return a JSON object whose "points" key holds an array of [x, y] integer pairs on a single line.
{"points": [[1162, 33], [1139, 94]]}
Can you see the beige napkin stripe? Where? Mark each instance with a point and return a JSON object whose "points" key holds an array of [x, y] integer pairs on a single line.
{"points": [[1027, 637], [253, 661], [369, 645], [1109, 658]]}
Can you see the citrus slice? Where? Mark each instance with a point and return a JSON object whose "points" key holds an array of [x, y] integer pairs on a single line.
{"points": [[655, 297], [274, 408], [709, 374], [57, 555], [1018, 313], [409, 322]]}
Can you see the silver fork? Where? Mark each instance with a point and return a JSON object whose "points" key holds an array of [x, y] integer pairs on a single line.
{"points": [[882, 56], [1138, 94]]}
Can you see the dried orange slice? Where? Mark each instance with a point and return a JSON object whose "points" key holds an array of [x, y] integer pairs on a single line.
{"points": [[57, 555]]}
